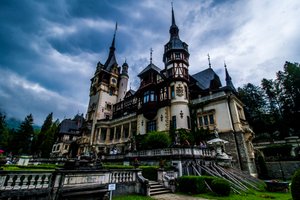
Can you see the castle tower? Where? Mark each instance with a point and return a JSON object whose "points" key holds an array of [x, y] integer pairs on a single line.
{"points": [[176, 59], [123, 83], [103, 89]]}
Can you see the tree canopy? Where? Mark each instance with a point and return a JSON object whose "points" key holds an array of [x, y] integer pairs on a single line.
{"points": [[273, 108]]}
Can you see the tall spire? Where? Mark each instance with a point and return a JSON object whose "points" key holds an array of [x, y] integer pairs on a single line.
{"points": [[173, 29], [228, 79], [111, 60], [173, 17], [113, 41]]}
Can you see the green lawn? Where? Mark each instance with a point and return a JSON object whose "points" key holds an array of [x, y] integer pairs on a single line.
{"points": [[251, 196]]}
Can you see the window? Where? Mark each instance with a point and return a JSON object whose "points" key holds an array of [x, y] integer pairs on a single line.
{"points": [[177, 55], [108, 106], [146, 97], [211, 119], [149, 96], [126, 130], [111, 91], [206, 120], [151, 126], [172, 92], [103, 134], [186, 92], [174, 122], [188, 122]]}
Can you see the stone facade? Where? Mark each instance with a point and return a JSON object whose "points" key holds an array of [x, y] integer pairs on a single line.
{"points": [[165, 98]]}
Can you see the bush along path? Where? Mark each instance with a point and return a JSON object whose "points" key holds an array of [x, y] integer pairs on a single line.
{"points": [[239, 182]]}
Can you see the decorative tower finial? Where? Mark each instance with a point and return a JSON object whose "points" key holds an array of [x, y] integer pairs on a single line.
{"points": [[113, 42], [228, 79], [209, 64], [173, 17], [151, 50]]}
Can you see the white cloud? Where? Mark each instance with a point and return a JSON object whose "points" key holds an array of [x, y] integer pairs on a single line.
{"points": [[22, 97]]}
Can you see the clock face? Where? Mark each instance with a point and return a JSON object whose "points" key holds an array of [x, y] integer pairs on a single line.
{"points": [[113, 81]]}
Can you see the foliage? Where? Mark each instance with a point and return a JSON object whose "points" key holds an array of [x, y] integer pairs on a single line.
{"points": [[156, 140], [262, 167], [254, 195], [149, 172], [4, 133], [31, 167], [274, 107], [296, 185], [22, 140], [44, 140], [220, 187], [191, 184]]}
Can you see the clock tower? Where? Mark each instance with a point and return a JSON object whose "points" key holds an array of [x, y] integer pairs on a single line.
{"points": [[176, 59]]}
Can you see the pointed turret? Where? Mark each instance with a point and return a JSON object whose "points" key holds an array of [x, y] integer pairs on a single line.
{"points": [[111, 60], [173, 28], [228, 79]]}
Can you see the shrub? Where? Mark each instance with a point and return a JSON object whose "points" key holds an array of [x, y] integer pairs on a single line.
{"points": [[220, 187], [191, 184], [296, 185], [156, 140], [149, 172]]}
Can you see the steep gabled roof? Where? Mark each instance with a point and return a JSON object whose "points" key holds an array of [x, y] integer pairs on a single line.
{"points": [[207, 79], [151, 66]]}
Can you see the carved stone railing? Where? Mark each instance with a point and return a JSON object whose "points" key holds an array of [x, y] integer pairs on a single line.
{"points": [[189, 152], [60, 183], [123, 176], [167, 178], [22, 180]]}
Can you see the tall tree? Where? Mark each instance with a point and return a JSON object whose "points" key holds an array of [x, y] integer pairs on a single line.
{"points": [[4, 132], [40, 136], [23, 138], [255, 106]]}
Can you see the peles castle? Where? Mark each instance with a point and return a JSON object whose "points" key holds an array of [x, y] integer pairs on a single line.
{"points": [[167, 98]]}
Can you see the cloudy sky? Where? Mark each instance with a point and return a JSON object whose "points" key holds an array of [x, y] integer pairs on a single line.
{"points": [[49, 49]]}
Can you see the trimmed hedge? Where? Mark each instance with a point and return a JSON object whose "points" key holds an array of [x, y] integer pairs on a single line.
{"points": [[192, 184], [220, 187], [149, 172], [196, 185], [295, 187]]}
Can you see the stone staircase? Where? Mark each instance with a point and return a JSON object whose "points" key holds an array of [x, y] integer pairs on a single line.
{"points": [[156, 188]]}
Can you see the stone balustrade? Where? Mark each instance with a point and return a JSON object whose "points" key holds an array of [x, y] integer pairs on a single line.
{"points": [[196, 152], [25, 180], [123, 176], [61, 183]]}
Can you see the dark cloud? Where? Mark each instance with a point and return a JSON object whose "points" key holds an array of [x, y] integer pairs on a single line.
{"points": [[49, 49]]}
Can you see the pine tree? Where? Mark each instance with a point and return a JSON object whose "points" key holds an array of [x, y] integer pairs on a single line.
{"points": [[23, 138]]}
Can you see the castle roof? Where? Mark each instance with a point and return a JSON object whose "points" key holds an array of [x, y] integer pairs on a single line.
{"points": [[207, 79]]}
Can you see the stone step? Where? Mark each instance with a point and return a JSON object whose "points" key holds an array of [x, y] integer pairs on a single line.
{"points": [[156, 188]]}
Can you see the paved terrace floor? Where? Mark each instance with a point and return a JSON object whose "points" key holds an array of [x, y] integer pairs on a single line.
{"points": [[171, 196]]}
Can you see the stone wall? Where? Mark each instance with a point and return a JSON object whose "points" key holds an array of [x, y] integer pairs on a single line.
{"points": [[282, 169]]}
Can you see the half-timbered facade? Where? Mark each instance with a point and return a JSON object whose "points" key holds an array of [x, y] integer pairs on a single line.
{"points": [[166, 97]]}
